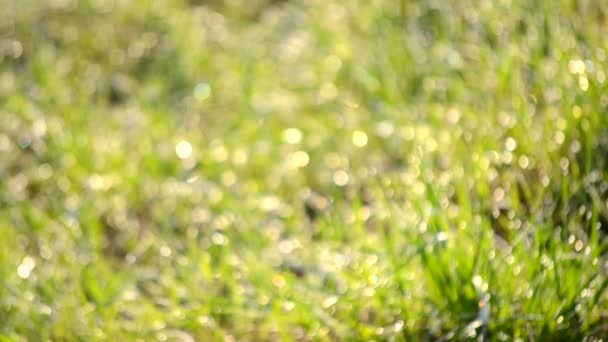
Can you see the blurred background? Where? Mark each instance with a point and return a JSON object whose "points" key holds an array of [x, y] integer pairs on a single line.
{"points": [[303, 170]]}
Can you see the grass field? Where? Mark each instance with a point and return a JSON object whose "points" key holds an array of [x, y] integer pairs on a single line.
{"points": [[261, 170]]}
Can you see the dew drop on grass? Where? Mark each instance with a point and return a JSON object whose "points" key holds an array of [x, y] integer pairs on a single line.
{"points": [[228, 178], [571, 239], [292, 135], [328, 91], [477, 281], [510, 144], [202, 91], [5, 143], [288, 305], [218, 239], [499, 194], [286, 246], [441, 237], [25, 141], [564, 163], [453, 115], [45, 171], [524, 162], [219, 153], [183, 149], [96, 182], [359, 138], [601, 77], [45, 309], [205, 321], [576, 66], [384, 129], [240, 156], [298, 159], [575, 146], [398, 326], [341, 178], [278, 281], [545, 181], [270, 203], [583, 83], [577, 112], [27, 265], [578, 246], [165, 251], [330, 301]]}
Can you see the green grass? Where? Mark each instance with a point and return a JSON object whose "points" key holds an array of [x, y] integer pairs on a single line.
{"points": [[359, 170]]}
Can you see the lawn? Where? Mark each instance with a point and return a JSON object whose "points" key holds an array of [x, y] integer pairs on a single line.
{"points": [[271, 170]]}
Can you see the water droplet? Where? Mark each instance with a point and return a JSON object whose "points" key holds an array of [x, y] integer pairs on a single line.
{"points": [[165, 251], [576, 66], [524, 161], [298, 159], [270, 203], [45, 171], [25, 141], [183, 149], [575, 146], [202, 91], [330, 301], [96, 182], [45, 309], [499, 194], [328, 91], [585, 293], [384, 129], [240, 157], [228, 178], [278, 280], [477, 281], [453, 115], [289, 305], [510, 144], [27, 265], [341, 178], [578, 246], [286, 246], [359, 138], [583, 83], [564, 163], [441, 237], [398, 326], [218, 239], [292, 135]]}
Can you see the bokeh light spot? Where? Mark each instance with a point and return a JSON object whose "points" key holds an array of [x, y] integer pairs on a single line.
{"points": [[183, 149], [359, 138], [202, 92], [341, 178]]}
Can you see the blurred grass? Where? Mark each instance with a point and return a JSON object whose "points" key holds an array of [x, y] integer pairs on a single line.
{"points": [[309, 170]]}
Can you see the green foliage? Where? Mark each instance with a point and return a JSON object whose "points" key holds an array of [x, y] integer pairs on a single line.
{"points": [[308, 170]]}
